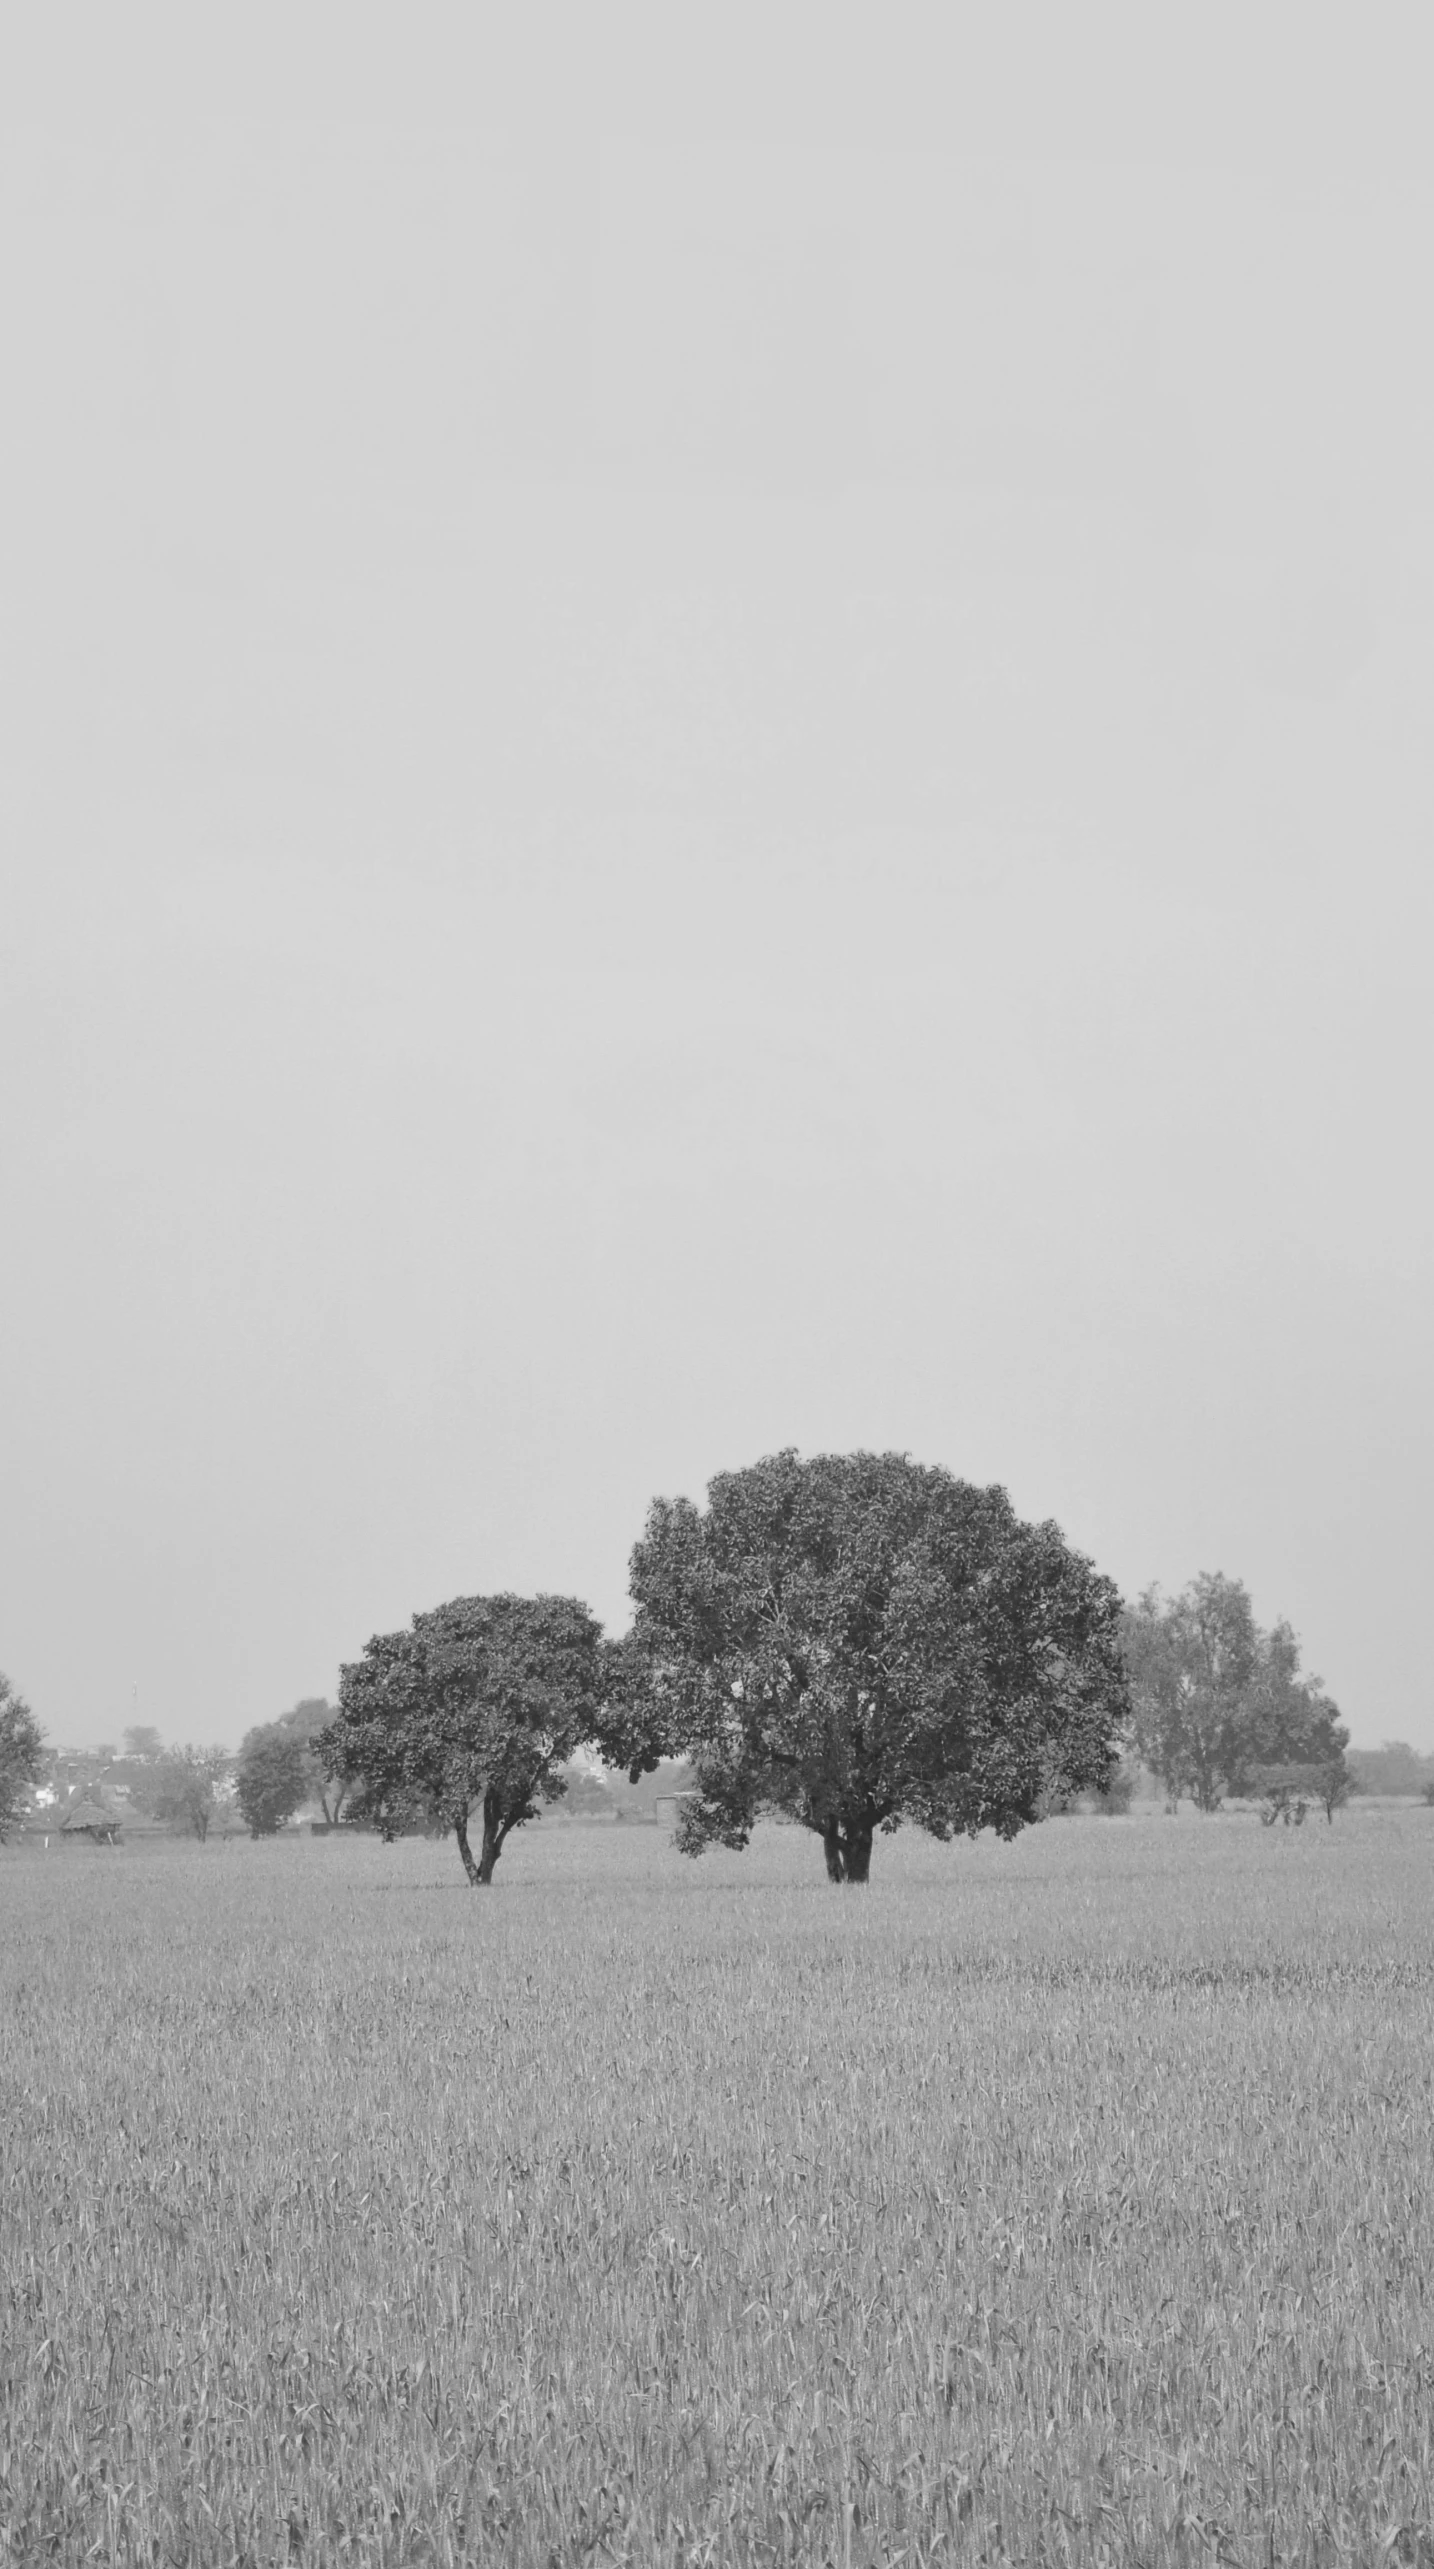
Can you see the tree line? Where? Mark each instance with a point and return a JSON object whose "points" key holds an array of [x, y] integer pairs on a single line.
{"points": [[851, 1642]]}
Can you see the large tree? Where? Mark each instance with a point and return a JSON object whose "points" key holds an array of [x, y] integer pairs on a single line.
{"points": [[1218, 1701], [22, 1758], [858, 1640], [480, 1704]]}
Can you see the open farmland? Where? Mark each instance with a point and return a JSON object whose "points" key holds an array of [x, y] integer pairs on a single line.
{"points": [[1062, 2201]]}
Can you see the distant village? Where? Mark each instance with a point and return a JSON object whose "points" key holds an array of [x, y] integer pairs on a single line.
{"points": [[101, 1795]]}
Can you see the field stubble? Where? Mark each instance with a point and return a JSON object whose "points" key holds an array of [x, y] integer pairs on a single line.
{"points": [[1065, 2201]]}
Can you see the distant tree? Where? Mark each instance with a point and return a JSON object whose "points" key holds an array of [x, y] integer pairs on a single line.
{"points": [[1119, 1793], [858, 1640], [1393, 1768], [22, 1758], [1284, 1792], [181, 1789], [1335, 1785], [304, 1723], [1287, 1792], [480, 1704], [143, 1743], [1292, 1722], [587, 1795], [1191, 1660], [272, 1777], [1219, 1703]]}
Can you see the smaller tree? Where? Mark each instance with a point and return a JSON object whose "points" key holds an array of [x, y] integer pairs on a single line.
{"points": [[1285, 1792], [1394, 1767], [272, 1777], [143, 1743], [480, 1704], [1335, 1785], [1115, 1800], [181, 1790], [1291, 1722], [334, 1794], [1220, 1704], [22, 1759]]}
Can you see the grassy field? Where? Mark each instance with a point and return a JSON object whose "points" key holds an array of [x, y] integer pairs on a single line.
{"points": [[1065, 2201]]}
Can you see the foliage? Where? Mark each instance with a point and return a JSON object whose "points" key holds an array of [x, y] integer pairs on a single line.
{"points": [[1335, 1785], [143, 1743], [272, 1777], [284, 1770], [181, 1789], [305, 1723], [1393, 1768], [586, 1795], [1216, 1698], [22, 1758], [1287, 1792], [1292, 1721], [1191, 1664], [859, 1640], [1284, 1793], [1115, 1799], [483, 1701]]}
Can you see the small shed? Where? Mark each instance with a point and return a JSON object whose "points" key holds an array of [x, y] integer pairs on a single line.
{"points": [[91, 1820]]}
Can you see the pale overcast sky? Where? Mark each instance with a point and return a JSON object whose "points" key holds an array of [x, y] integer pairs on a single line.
{"points": [[705, 748]]}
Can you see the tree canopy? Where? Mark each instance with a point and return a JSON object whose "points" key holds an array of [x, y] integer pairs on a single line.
{"points": [[480, 1703], [1218, 1702], [272, 1777], [180, 1789], [278, 1769], [22, 1757], [305, 1723], [858, 1640]]}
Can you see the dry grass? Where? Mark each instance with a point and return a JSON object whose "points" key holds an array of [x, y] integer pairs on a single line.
{"points": [[1068, 2201]]}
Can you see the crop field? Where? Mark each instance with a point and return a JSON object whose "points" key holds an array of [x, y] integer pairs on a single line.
{"points": [[1067, 2201]]}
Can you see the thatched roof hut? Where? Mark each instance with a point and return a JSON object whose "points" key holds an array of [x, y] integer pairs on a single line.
{"points": [[90, 1819]]}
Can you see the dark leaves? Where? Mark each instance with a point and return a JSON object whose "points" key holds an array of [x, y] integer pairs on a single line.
{"points": [[861, 1639]]}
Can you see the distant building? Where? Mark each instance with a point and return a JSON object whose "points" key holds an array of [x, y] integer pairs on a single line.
{"points": [[91, 1819]]}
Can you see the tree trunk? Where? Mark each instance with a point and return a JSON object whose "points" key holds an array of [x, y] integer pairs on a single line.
{"points": [[847, 1850], [480, 1869], [495, 1830], [858, 1854], [460, 1831], [492, 1849]]}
